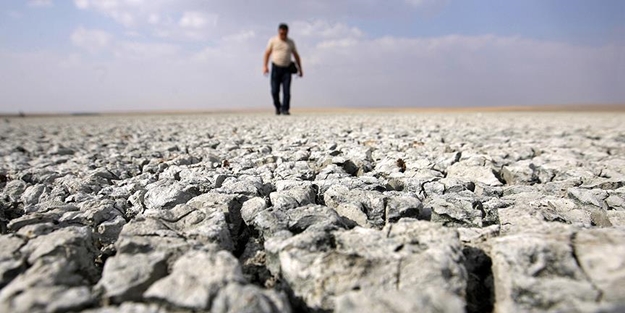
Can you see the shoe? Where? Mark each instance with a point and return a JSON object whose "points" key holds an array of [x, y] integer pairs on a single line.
{"points": [[277, 112], [286, 113]]}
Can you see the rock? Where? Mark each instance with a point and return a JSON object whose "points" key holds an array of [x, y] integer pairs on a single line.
{"points": [[434, 187], [126, 276], [600, 253], [293, 198], [249, 298], [32, 194], [519, 218], [51, 284], [70, 243], [92, 213], [129, 307], [50, 299], [245, 185], [197, 221], [351, 202], [475, 174], [196, 279], [616, 200], [167, 194], [617, 218], [563, 210], [462, 209], [395, 184], [10, 263], [523, 172], [588, 198], [251, 208], [446, 160], [539, 272], [321, 266], [270, 221], [401, 206], [230, 205], [60, 150], [354, 212], [428, 300], [331, 171], [598, 217], [14, 190], [605, 183], [36, 230], [317, 216], [144, 235], [474, 235], [51, 213], [108, 231]]}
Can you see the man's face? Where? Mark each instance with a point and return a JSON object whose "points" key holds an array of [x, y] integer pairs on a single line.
{"points": [[283, 33]]}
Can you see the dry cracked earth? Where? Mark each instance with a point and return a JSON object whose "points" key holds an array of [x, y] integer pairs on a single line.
{"points": [[389, 212]]}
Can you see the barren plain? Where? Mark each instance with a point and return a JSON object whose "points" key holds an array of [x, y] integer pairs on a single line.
{"points": [[335, 212]]}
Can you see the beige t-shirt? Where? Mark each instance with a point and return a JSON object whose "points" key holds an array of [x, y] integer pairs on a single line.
{"points": [[281, 51]]}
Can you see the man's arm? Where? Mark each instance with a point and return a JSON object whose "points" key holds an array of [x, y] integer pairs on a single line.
{"points": [[266, 61], [299, 63]]}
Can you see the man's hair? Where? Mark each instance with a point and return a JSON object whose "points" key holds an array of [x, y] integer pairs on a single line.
{"points": [[283, 26]]}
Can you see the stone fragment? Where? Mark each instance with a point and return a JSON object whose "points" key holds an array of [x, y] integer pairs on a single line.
{"points": [[600, 253], [293, 198], [54, 283], [203, 223], [462, 209], [351, 202], [599, 217], [51, 299], [10, 262], [32, 194], [245, 185], [167, 193], [126, 276], [317, 216], [130, 307], [523, 172], [588, 197], [407, 256], [477, 174], [401, 206], [70, 243], [400, 301], [108, 231], [14, 190], [539, 272], [249, 298], [196, 279], [251, 208]]}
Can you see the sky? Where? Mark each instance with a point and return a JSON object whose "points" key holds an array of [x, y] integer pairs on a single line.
{"points": [[68, 56]]}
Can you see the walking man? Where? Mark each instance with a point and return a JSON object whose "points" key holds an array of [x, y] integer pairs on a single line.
{"points": [[280, 48]]}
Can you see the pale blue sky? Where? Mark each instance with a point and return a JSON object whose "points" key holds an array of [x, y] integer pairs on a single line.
{"points": [[120, 55]]}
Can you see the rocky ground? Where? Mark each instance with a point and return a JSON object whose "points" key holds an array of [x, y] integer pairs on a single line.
{"points": [[505, 212]]}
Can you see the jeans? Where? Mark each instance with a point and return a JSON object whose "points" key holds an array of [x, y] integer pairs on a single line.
{"points": [[281, 76]]}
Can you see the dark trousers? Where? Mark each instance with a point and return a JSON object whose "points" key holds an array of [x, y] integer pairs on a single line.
{"points": [[281, 76]]}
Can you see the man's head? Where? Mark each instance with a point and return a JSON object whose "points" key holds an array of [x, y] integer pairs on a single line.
{"points": [[283, 31]]}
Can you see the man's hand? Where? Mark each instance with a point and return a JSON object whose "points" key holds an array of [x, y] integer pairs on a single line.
{"points": [[265, 70], [299, 64]]}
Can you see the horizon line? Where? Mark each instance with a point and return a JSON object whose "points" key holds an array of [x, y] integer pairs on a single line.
{"points": [[433, 109]]}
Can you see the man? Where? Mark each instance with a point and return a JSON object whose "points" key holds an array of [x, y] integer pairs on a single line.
{"points": [[280, 48]]}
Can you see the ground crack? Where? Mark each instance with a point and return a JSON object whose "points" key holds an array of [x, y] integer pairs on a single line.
{"points": [[578, 263], [480, 290]]}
